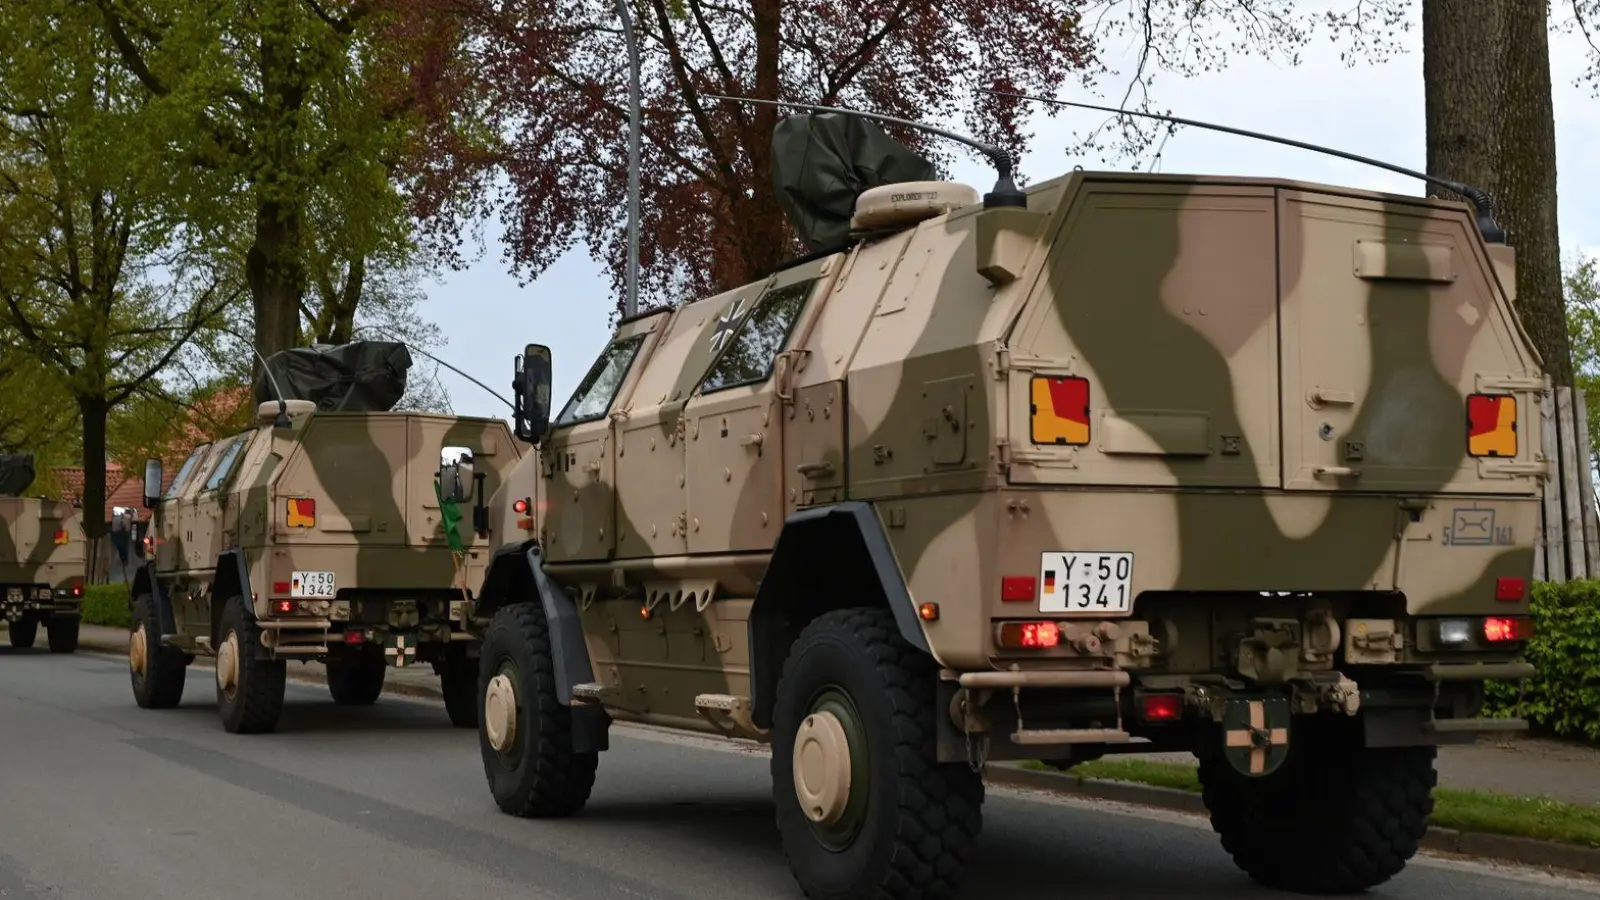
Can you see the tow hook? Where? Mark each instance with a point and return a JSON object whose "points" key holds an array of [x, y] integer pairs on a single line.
{"points": [[1342, 696]]}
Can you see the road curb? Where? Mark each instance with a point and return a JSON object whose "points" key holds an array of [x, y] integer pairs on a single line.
{"points": [[1519, 850], [397, 689]]}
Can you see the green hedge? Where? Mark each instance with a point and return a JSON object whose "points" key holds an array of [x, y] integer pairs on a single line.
{"points": [[106, 604], [1563, 698]]}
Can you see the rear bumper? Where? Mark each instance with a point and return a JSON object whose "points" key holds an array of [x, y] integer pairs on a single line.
{"points": [[40, 600]]}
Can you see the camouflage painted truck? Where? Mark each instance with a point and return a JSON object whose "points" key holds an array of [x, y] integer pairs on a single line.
{"points": [[1121, 463], [316, 535], [43, 561]]}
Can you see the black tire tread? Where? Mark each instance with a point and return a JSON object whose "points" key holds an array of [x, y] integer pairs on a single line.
{"points": [[941, 804], [559, 781], [259, 694], [166, 668], [23, 632], [357, 682], [1362, 813], [62, 634]]}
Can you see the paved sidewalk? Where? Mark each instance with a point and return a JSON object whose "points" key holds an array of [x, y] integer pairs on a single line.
{"points": [[416, 680], [1519, 765]]}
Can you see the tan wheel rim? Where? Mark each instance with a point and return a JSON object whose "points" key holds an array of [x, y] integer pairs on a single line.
{"points": [[500, 712], [137, 651], [822, 767], [228, 664]]}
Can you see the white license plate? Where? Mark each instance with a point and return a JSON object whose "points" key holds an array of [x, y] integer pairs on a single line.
{"points": [[1085, 581], [312, 585]]}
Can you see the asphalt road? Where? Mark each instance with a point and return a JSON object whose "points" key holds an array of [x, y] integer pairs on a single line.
{"points": [[103, 801]]}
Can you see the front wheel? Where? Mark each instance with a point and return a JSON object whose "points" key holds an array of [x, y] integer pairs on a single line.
{"points": [[24, 631], [249, 688], [1337, 817], [62, 634], [157, 671], [864, 807], [525, 734]]}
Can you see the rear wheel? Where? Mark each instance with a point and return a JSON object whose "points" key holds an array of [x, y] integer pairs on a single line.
{"points": [[24, 631], [157, 672], [357, 680], [1337, 817], [525, 734], [458, 680], [864, 807], [249, 688], [62, 633]]}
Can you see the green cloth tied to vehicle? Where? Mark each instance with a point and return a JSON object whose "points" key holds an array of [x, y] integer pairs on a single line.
{"points": [[450, 516]]}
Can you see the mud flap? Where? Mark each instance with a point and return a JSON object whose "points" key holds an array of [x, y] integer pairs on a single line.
{"points": [[1255, 734], [400, 650]]}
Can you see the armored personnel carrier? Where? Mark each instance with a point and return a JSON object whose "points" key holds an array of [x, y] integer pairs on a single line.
{"points": [[43, 561], [317, 534], [1120, 463]]}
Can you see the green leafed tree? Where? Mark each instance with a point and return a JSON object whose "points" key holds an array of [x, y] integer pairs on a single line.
{"points": [[98, 294], [1582, 285], [281, 122]]}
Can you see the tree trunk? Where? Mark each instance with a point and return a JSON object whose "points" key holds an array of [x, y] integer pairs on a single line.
{"points": [[764, 238], [1461, 41], [276, 278], [1527, 184], [94, 411]]}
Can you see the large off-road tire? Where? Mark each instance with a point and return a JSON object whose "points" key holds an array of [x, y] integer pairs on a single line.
{"points": [[458, 681], [62, 633], [24, 631], [856, 698], [249, 689], [1336, 818], [157, 671], [357, 681], [525, 734]]}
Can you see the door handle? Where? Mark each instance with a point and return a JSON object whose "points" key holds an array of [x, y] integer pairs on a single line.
{"points": [[1336, 472], [815, 470], [752, 440]]}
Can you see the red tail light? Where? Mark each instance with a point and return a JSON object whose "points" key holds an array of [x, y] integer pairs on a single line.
{"points": [[1510, 590], [1507, 630], [1162, 707], [1030, 635], [283, 607], [77, 590], [354, 637], [1018, 588], [519, 507]]}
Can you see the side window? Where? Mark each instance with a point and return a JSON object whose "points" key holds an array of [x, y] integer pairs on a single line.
{"points": [[225, 464], [184, 473], [594, 395], [749, 357]]}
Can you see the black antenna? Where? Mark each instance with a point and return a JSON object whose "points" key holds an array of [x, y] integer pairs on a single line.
{"points": [[1005, 191], [282, 421], [1492, 232]]}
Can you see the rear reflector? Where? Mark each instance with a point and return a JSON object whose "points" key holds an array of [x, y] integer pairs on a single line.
{"points": [[280, 587], [354, 637], [61, 536], [1018, 588], [1030, 635], [1492, 425], [1506, 630], [1059, 412], [1510, 589], [1162, 707]]}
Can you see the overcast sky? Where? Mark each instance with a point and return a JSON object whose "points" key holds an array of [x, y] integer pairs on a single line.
{"points": [[1375, 111]]}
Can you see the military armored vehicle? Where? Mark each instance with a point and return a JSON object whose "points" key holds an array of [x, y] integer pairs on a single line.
{"points": [[317, 534], [1120, 463], [43, 561]]}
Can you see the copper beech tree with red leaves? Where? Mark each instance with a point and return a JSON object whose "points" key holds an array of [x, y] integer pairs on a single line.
{"points": [[550, 77]]}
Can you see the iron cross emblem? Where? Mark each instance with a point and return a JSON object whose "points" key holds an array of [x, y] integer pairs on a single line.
{"points": [[725, 326], [1257, 737]]}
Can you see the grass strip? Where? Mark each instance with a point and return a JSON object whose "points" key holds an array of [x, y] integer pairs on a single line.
{"points": [[1481, 812]]}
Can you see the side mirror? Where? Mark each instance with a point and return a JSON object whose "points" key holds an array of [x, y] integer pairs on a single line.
{"points": [[531, 389], [455, 474], [152, 483]]}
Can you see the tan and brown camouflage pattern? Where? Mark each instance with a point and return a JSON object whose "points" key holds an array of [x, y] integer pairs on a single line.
{"points": [[377, 523], [33, 554], [1239, 335]]}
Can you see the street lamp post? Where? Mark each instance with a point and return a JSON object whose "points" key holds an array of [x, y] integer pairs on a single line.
{"points": [[631, 300]]}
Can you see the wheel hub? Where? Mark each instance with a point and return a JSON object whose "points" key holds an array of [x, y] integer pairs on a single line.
{"points": [[822, 768], [137, 651], [228, 663], [500, 712]]}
